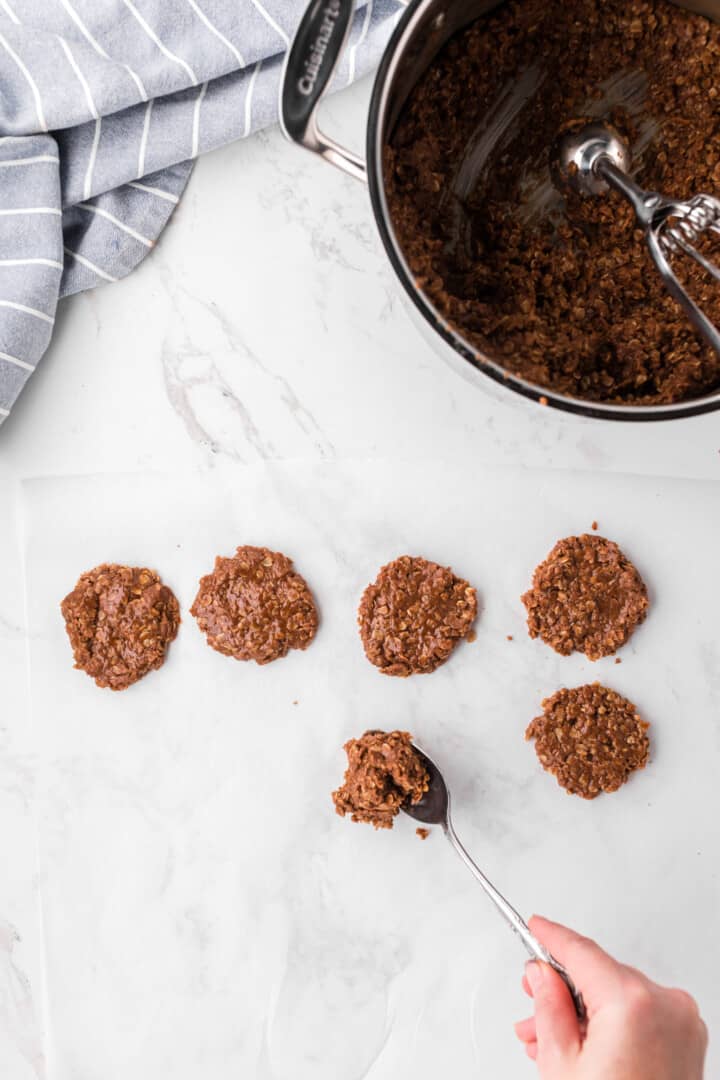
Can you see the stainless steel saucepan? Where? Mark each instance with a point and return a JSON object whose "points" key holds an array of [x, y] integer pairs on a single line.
{"points": [[425, 27]]}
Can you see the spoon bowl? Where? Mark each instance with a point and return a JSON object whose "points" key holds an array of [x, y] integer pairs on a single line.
{"points": [[434, 807]]}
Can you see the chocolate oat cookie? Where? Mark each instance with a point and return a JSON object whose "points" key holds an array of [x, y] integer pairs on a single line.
{"points": [[590, 739], [586, 597], [560, 290], [120, 621], [254, 606], [413, 615], [384, 772]]}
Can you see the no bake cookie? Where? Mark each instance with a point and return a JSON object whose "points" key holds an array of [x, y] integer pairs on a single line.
{"points": [[120, 621], [585, 597], [254, 606], [413, 615], [590, 738]]}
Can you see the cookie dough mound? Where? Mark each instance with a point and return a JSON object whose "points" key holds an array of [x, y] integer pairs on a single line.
{"points": [[413, 616], [586, 597], [254, 606], [120, 621], [384, 772], [590, 738]]}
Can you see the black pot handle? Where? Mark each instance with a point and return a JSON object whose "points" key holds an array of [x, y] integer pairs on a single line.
{"points": [[311, 61]]}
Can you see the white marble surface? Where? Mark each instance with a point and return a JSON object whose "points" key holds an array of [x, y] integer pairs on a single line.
{"points": [[151, 922], [267, 325]]}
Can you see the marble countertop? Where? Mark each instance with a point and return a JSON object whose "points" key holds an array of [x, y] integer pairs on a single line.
{"points": [[297, 359]]}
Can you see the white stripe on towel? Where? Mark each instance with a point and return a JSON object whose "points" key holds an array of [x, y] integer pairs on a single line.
{"points": [[87, 187], [138, 82], [29, 160], [90, 265], [30, 81], [32, 262], [9, 12], [196, 121], [18, 363], [214, 30], [153, 37], [248, 98], [28, 310], [81, 78], [168, 195], [30, 210], [116, 221], [98, 47], [269, 19], [144, 138]]}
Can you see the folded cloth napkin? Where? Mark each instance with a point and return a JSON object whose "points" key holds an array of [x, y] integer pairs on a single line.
{"points": [[104, 105]]}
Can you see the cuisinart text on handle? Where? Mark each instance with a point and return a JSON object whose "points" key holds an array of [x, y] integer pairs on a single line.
{"points": [[306, 82]]}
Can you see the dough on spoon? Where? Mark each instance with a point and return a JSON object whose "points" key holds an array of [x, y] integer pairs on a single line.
{"points": [[384, 772]]}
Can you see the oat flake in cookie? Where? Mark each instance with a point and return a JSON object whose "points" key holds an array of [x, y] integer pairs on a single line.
{"points": [[254, 606], [120, 621], [590, 739], [585, 597], [413, 615], [384, 772]]}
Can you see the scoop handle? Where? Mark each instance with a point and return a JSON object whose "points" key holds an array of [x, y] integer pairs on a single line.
{"points": [[534, 947], [311, 60]]}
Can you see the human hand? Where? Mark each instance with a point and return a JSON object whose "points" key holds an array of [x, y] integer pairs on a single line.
{"points": [[636, 1030]]}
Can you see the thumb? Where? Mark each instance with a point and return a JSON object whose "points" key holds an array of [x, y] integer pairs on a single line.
{"points": [[558, 1033]]}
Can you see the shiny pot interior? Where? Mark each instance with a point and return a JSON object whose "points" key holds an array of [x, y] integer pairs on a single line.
{"points": [[425, 28]]}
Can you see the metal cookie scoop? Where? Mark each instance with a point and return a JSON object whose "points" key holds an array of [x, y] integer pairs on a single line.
{"points": [[590, 157], [434, 809]]}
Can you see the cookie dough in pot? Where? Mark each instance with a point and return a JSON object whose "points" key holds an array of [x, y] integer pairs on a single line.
{"points": [[422, 33]]}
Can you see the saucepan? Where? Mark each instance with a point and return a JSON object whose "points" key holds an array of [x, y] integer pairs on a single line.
{"points": [[425, 27]]}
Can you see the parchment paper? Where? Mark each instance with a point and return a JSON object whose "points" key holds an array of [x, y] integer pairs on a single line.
{"points": [[206, 913]]}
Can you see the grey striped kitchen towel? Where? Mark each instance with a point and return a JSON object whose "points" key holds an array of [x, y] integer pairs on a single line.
{"points": [[104, 105]]}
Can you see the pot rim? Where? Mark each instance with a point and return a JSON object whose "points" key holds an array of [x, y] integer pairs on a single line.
{"points": [[389, 62]]}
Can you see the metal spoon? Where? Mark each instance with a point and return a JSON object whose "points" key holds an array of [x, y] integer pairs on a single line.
{"points": [[590, 157], [434, 809]]}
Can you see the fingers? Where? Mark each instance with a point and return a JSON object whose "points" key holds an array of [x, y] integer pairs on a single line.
{"points": [[687, 1009], [595, 973], [556, 1025], [526, 1031], [526, 986], [561, 940]]}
